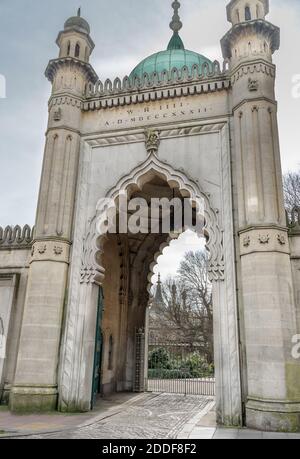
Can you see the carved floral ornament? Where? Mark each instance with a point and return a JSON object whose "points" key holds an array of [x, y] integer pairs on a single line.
{"points": [[42, 249], [58, 250], [152, 141], [246, 241], [264, 239], [281, 239]]}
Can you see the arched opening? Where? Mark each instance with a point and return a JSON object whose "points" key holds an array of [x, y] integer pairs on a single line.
{"points": [[68, 48], [128, 259], [121, 266], [179, 332], [247, 13], [77, 50]]}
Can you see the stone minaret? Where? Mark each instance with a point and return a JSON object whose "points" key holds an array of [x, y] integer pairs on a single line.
{"points": [[266, 281], [35, 386]]}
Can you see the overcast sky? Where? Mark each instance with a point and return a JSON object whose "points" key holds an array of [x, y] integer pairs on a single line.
{"points": [[125, 31]]}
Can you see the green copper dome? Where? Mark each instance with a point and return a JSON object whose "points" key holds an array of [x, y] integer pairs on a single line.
{"points": [[176, 56], [167, 60]]}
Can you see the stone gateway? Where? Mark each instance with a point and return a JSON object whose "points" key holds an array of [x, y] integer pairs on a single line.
{"points": [[71, 300]]}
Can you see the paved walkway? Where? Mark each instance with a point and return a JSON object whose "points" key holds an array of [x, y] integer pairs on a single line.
{"points": [[129, 416]]}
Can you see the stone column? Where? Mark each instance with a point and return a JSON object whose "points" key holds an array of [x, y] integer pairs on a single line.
{"points": [[35, 385], [273, 401]]}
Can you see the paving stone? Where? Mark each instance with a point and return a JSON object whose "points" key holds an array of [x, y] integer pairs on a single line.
{"points": [[154, 418]]}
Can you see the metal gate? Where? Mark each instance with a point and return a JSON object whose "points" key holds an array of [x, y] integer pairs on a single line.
{"points": [[176, 367]]}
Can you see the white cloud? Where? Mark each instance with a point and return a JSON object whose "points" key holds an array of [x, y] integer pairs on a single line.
{"points": [[169, 262]]}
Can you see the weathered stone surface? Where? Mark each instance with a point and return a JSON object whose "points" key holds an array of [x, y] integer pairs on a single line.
{"points": [[216, 140]]}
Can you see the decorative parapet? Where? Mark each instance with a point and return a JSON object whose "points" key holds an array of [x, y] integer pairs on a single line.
{"points": [[157, 86], [16, 237], [295, 221]]}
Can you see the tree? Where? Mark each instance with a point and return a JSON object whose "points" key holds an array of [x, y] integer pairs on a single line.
{"points": [[185, 312], [291, 186]]}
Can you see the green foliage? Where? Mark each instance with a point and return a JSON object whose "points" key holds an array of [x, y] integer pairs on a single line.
{"points": [[159, 359], [197, 366], [163, 366]]}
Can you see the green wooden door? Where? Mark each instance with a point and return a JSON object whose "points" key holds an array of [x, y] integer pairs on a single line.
{"points": [[98, 349]]}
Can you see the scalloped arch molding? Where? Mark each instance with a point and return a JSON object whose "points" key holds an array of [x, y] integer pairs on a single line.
{"points": [[92, 270]]}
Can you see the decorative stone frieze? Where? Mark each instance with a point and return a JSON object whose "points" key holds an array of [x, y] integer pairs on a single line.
{"points": [[65, 100], [50, 250], [264, 239], [106, 140], [259, 67]]}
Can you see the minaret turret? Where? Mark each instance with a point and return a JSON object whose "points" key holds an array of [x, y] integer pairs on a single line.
{"points": [[75, 41], [251, 36]]}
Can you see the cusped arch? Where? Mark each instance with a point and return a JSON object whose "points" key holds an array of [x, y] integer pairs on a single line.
{"points": [[92, 269]]}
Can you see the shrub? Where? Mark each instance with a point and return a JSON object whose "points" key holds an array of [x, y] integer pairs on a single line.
{"points": [[159, 359]]}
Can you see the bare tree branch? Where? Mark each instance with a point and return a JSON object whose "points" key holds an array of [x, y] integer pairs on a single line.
{"points": [[186, 312]]}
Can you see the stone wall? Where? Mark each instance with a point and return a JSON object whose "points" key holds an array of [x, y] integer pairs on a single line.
{"points": [[14, 264]]}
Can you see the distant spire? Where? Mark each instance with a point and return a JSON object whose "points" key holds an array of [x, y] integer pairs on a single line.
{"points": [[158, 294], [79, 12], [176, 25]]}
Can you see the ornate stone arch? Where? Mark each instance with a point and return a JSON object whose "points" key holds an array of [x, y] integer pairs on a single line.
{"points": [[92, 269], [77, 356]]}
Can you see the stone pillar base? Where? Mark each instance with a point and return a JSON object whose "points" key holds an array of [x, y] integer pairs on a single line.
{"points": [[273, 415], [32, 399]]}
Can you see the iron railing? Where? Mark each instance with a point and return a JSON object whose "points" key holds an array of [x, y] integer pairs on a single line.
{"points": [[177, 367]]}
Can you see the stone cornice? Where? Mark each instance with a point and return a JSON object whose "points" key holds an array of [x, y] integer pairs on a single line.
{"points": [[55, 64], [65, 99], [256, 99], [243, 28], [167, 132], [154, 94], [250, 68], [62, 128]]}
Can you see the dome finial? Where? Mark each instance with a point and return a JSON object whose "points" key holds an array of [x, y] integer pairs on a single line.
{"points": [[176, 23], [79, 12]]}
